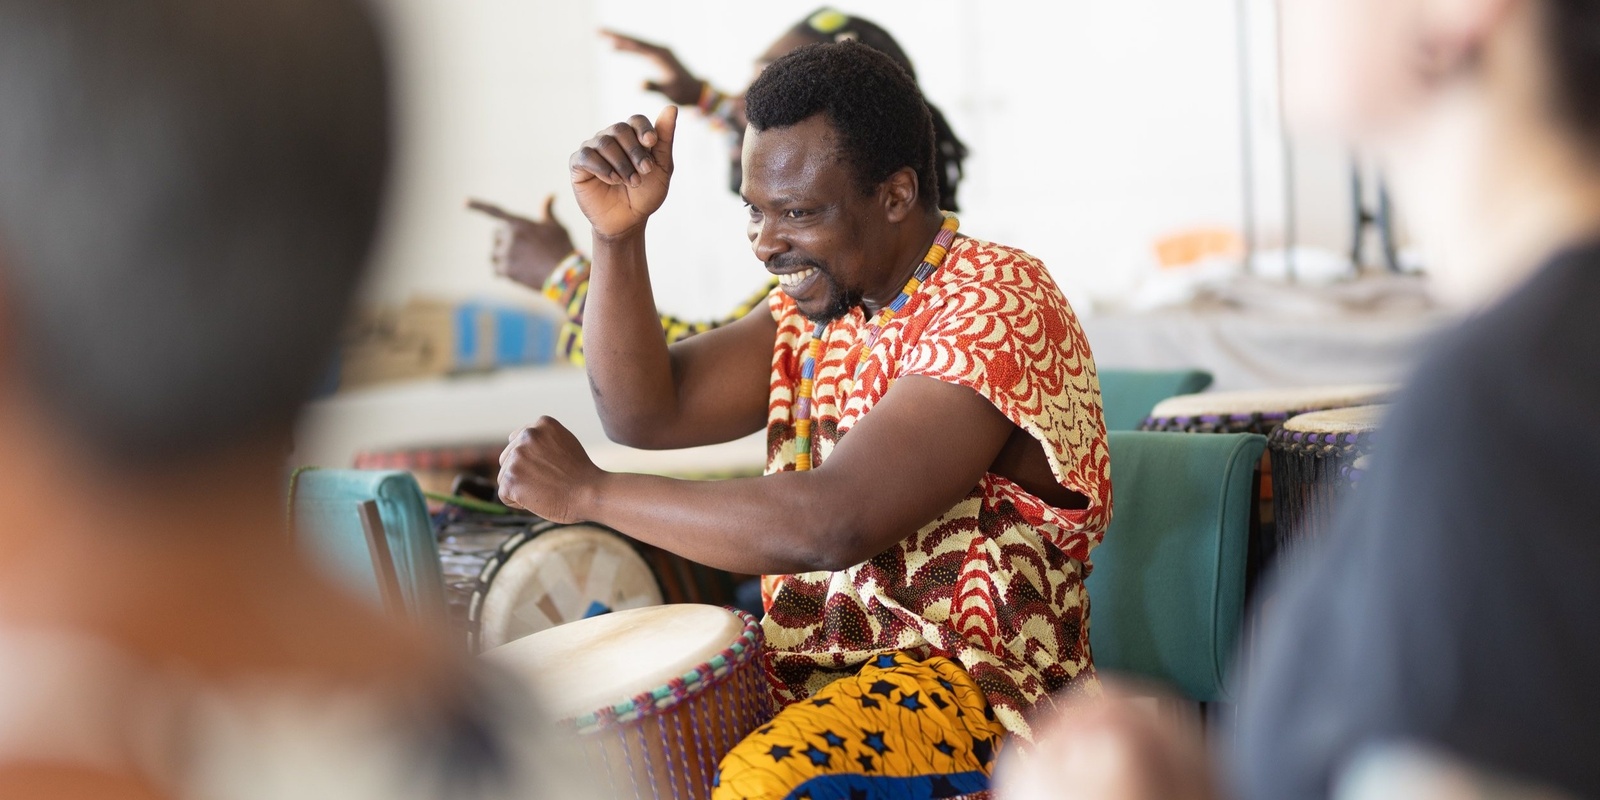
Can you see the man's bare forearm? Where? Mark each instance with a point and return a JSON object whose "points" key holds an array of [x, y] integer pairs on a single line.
{"points": [[630, 368], [777, 524]]}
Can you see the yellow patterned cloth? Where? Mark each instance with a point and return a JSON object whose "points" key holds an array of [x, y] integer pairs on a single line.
{"points": [[995, 582], [570, 290], [899, 728]]}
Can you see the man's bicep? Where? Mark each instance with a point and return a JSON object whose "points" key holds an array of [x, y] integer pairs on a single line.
{"points": [[921, 449], [722, 378]]}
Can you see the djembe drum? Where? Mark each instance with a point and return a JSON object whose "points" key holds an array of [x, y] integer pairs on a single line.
{"points": [[508, 579], [656, 696], [1316, 460], [1257, 411]]}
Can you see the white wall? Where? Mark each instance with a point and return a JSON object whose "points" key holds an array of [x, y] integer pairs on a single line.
{"points": [[1096, 126], [494, 94]]}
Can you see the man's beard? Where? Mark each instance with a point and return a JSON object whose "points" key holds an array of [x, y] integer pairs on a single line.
{"points": [[840, 301]]}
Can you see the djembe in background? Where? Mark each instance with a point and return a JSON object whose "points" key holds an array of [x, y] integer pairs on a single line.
{"points": [[1317, 459], [1258, 411]]}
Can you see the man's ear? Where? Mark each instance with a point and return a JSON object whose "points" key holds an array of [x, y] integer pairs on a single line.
{"points": [[900, 193]]}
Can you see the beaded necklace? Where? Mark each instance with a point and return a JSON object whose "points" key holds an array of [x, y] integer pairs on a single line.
{"points": [[808, 367]]}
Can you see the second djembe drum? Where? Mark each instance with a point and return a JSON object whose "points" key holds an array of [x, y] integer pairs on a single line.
{"points": [[1316, 459]]}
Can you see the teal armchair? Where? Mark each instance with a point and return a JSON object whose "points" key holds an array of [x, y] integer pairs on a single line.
{"points": [[1166, 596], [326, 509], [1129, 396]]}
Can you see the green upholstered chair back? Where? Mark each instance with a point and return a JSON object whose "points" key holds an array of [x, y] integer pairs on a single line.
{"points": [[1166, 596], [1130, 395], [325, 507]]}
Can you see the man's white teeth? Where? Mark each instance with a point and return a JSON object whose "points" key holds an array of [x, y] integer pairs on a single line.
{"points": [[796, 278]]}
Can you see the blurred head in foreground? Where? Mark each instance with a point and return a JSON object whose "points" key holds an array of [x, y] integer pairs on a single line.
{"points": [[187, 195], [1478, 108], [1477, 518]]}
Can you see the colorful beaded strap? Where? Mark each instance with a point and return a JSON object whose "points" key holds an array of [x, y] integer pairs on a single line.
{"points": [[654, 701], [808, 367]]}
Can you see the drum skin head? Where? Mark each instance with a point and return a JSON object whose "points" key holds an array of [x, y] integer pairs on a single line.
{"points": [[1265, 401], [1358, 419], [593, 663], [560, 576]]}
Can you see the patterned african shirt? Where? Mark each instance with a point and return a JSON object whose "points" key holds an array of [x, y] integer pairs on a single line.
{"points": [[996, 582]]}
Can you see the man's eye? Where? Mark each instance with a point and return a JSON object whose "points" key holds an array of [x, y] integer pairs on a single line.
{"points": [[755, 213], [796, 213]]}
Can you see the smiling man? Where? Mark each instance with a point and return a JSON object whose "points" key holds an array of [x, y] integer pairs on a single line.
{"points": [[937, 468]]}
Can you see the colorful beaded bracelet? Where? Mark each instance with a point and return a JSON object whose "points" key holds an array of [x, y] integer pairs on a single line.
{"points": [[567, 274]]}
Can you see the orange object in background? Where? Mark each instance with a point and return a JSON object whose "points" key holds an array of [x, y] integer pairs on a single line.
{"points": [[1198, 244]]}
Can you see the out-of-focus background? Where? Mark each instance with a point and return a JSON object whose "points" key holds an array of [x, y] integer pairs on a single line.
{"points": [[1135, 146]]}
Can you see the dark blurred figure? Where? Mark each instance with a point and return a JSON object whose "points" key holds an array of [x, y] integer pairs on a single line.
{"points": [[1455, 612], [188, 193], [540, 254]]}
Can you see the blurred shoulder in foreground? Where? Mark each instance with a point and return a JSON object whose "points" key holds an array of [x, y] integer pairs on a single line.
{"points": [[191, 191]]}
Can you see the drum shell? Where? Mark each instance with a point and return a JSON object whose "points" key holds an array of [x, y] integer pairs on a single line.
{"points": [[465, 547], [1312, 473], [677, 687], [675, 752]]}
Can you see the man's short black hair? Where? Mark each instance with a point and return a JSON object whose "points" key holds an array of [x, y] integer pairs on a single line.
{"points": [[190, 189], [882, 121]]}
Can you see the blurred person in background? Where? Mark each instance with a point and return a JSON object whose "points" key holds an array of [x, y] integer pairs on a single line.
{"points": [[1455, 610], [188, 193], [540, 254]]}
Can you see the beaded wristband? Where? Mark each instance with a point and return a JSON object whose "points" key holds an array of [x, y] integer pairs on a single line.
{"points": [[708, 98], [572, 269], [715, 105]]}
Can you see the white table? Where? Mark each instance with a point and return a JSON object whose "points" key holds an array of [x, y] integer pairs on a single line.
{"points": [[469, 409]]}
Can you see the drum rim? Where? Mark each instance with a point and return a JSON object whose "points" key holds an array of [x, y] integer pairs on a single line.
{"points": [[1353, 419], [1319, 443], [1178, 424], [1275, 401], [651, 702]]}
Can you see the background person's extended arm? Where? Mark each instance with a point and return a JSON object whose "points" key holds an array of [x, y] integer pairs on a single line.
{"points": [[539, 255]]}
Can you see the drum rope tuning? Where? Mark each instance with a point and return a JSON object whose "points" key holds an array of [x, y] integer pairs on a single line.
{"points": [[1316, 461]]}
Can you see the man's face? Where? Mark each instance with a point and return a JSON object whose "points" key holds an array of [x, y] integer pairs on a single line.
{"points": [[809, 221]]}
